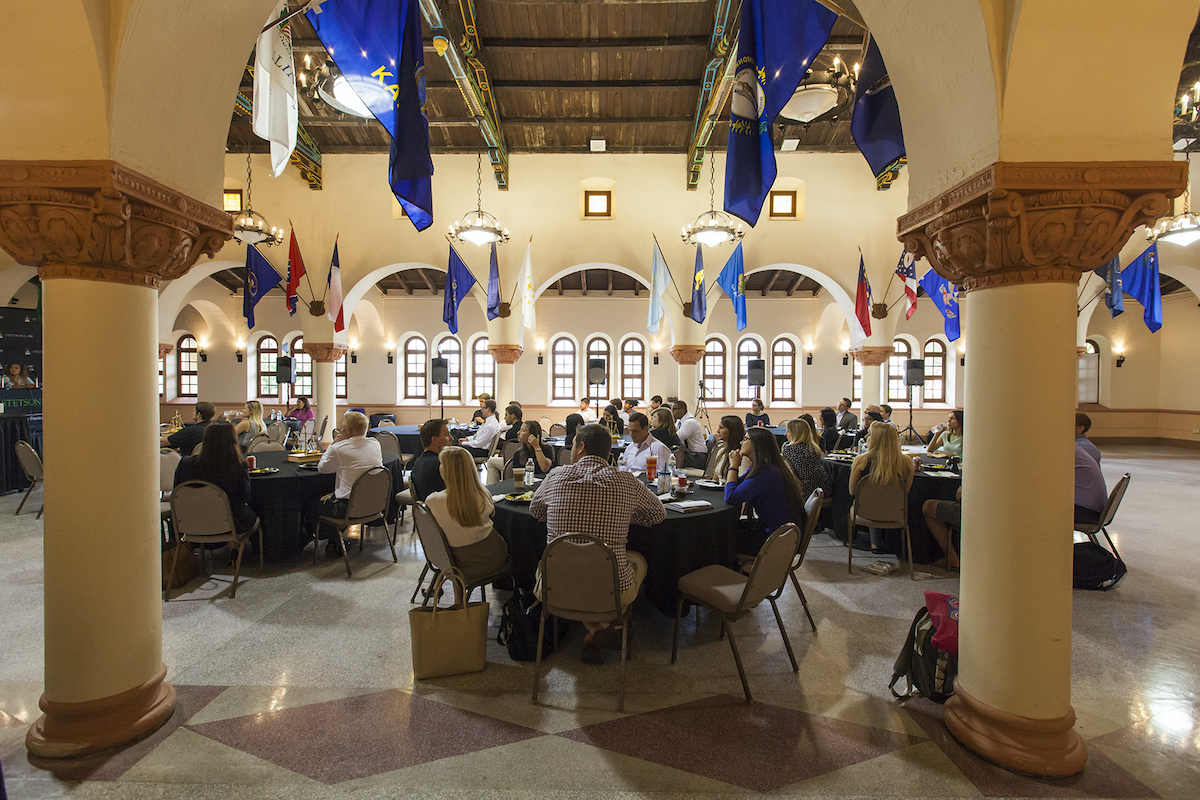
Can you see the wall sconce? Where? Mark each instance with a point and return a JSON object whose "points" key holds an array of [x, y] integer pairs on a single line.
{"points": [[808, 360], [204, 356], [845, 359], [390, 359], [353, 357], [962, 360], [1121, 360], [656, 359], [239, 356], [541, 346]]}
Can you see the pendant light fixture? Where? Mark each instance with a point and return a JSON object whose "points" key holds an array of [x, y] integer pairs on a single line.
{"points": [[712, 227], [479, 227], [250, 227], [1181, 229]]}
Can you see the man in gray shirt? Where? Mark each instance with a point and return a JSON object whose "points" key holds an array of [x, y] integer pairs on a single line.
{"points": [[1083, 424]]}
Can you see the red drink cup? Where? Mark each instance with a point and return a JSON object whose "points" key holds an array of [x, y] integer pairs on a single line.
{"points": [[251, 462], [651, 468]]}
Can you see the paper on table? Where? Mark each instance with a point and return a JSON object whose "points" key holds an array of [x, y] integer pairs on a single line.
{"points": [[684, 506]]}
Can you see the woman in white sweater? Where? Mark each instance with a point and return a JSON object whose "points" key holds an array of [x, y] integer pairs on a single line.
{"points": [[464, 512]]}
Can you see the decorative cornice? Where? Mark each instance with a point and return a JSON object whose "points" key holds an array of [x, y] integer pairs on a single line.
{"points": [[506, 353], [164, 350], [1029, 222], [99, 220], [687, 354], [872, 355], [325, 352]]}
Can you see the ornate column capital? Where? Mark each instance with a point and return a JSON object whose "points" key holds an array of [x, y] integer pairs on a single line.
{"points": [[164, 350], [506, 353], [872, 355], [325, 352], [99, 220], [687, 354], [1038, 222]]}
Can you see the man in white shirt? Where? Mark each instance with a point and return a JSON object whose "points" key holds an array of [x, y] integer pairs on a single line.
{"points": [[350, 455], [585, 410], [886, 412], [625, 410], [644, 445], [484, 440], [691, 436]]}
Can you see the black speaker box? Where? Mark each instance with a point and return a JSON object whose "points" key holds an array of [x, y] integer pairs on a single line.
{"points": [[914, 372], [285, 369], [757, 372], [596, 370], [439, 370]]}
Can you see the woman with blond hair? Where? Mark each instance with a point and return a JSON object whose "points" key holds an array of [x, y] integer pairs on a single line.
{"points": [[662, 425], [885, 464], [464, 512], [251, 424], [803, 452]]}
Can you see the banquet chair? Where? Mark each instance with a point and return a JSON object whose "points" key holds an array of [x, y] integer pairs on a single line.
{"points": [[711, 466], [168, 460], [581, 581], [558, 429], [388, 442], [261, 438], [1106, 518], [509, 449], [370, 500], [878, 506], [812, 516], [31, 465], [278, 432], [200, 514], [732, 593], [196, 450], [564, 457], [492, 449], [261, 445], [547, 424], [440, 556]]}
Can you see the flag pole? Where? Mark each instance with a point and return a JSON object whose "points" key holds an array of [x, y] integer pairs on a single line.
{"points": [[460, 258], [519, 277], [677, 294], [326, 292], [308, 280]]}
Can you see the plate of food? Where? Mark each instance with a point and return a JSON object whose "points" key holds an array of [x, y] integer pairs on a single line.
{"points": [[264, 471], [705, 483], [523, 497]]}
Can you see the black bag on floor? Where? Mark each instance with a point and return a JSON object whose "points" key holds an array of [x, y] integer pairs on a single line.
{"points": [[519, 627], [1096, 568], [927, 669]]}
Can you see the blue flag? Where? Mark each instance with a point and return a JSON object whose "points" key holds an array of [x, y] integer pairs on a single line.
{"points": [[875, 122], [377, 46], [261, 278], [1140, 281], [733, 281], [1114, 297], [459, 281], [699, 300], [660, 279], [944, 295], [777, 42], [493, 308]]}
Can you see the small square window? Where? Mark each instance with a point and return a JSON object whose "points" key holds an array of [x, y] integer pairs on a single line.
{"points": [[783, 204], [232, 201], [597, 204]]}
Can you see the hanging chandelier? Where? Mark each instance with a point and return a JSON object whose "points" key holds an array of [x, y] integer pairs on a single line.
{"points": [[250, 227], [712, 227], [1181, 229], [479, 227]]}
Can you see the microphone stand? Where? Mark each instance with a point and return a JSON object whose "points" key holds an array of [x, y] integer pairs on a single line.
{"points": [[702, 409], [910, 427]]}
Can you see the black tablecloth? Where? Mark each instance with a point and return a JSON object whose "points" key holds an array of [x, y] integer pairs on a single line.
{"points": [[280, 499], [925, 487], [673, 548], [409, 436], [13, 428]]}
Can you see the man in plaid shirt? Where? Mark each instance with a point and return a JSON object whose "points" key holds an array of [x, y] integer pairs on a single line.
{"points": [[592, 498]]}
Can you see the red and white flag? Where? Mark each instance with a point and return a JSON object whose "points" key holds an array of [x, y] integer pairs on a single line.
{"points": [[907, 270], [295, 272], [862, 305], [335, 293]]}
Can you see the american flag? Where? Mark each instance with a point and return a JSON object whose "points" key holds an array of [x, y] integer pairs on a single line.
{"points": [[907, 270]]}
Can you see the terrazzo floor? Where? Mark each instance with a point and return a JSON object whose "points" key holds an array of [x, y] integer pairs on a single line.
{"points": [[302, 687]]}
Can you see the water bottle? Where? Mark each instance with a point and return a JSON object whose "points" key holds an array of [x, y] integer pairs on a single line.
{"points": [[529, 469], [671, 464], [621, 462]]}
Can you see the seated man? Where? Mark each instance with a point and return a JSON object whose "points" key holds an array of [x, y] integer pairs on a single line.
{"points": [[846, 420], [655, 402], [513, 416], [886, 411], [189, 436], [626, 409], [940, 517], [484, 440], [1090, 492], [691, 436], [426, 477], [644, 445], [478, 415], [585, 410], [592, 498], [1083, 424], [350, 455]]}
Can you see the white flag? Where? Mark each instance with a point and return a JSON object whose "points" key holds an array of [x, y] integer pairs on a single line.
{"points": [[527, 310], [275, 112], [660, 278]]}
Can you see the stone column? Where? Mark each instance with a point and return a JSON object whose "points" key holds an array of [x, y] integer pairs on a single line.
{"points": [[506, 356], [324, 355], [874, 360], [102, 237], [689, 357], [1017, 236]]}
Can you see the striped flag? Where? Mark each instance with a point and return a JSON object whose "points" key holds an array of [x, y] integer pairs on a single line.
{"points": [[862, 305], [907, 270], [335, 292]]}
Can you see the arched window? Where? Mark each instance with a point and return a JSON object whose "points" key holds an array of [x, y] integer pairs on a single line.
{"points": [[633, 369], [268, 351], [783, 371], [562, 364], [897, 392], [713, 373], [303, 387], [856, 379], [483, 368], [339, 377], [450, 349], [415, 375], [935, 372], [187, 357], [1088, 388], [598, 392], [162, 376], [1091, 347], [748, 349]]}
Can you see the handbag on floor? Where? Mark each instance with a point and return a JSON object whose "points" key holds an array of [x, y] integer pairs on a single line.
{"points": [[1095, 567], [926, 668], [448, 641]]}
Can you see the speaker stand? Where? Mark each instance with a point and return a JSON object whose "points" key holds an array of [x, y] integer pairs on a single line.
{"points": [[910, 428]]}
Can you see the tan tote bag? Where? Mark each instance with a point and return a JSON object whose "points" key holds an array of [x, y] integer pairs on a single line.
{"points": [[448, 641]]}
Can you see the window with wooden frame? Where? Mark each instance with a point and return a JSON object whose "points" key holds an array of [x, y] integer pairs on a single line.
{"points": [[748, 349], [783, 371], [897, 392], [783, 205], [597, 204], [340, 380], [633, 369], [231, 201], [935, 372], [187, 359], [302, 363], [483, 368], [416, 377], [450, 349], [162, 376], [713, 373], [856, 380], [267, 352], [597, 394], [562, 364]]}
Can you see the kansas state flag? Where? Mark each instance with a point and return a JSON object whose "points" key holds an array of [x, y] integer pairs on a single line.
{"points": [[699, 300], [944, 295], [777, 42], [733, 281], [261, 278], [875, 122], [1140, 281], [459, 281], [377, 46]]}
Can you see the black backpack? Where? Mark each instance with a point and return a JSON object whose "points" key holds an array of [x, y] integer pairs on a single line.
{"points": [[1096, 568], [927, 669], [519, 627]]}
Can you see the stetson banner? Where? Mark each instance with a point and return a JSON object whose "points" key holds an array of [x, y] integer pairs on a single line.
{"points": [[21, 344]]}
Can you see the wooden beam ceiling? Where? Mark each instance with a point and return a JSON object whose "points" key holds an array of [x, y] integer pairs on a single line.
{"points": [[716, 83]]}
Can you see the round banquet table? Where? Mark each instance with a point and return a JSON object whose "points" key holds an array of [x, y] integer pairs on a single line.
{"points": [[926, 486], [409, 436], [283, 498], [673, 548]]}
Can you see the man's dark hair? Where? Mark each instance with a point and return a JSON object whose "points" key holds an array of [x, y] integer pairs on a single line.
{"points": [[515, 411], [206, 410], [679, 405], [1084, 420], [886, 408], [596, 439], [640, 418], [874, 416], [632, 402], [514, 403], [847, 401], [429, 429], [656, 399], [490, 405]]}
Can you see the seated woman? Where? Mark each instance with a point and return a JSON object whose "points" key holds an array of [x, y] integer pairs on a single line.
{"points": [[662, 426], [949, 437], [730, 433], [812, 423], [251, 424], [532, 446], [758, 476], [612, 420], [298, 416], [464, 512], [220, 462], [16, 376], [830, 435], [573, 422], [755, 416], [886, 465], [803, 452]]}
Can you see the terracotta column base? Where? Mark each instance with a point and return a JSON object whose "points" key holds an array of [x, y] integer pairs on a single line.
{"points": [[1047, 748], [73, 730]]}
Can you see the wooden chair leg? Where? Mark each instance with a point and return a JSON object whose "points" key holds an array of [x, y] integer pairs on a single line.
{"points": [[783, 632], [537, 663], [737, 658], [675, 640]]}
